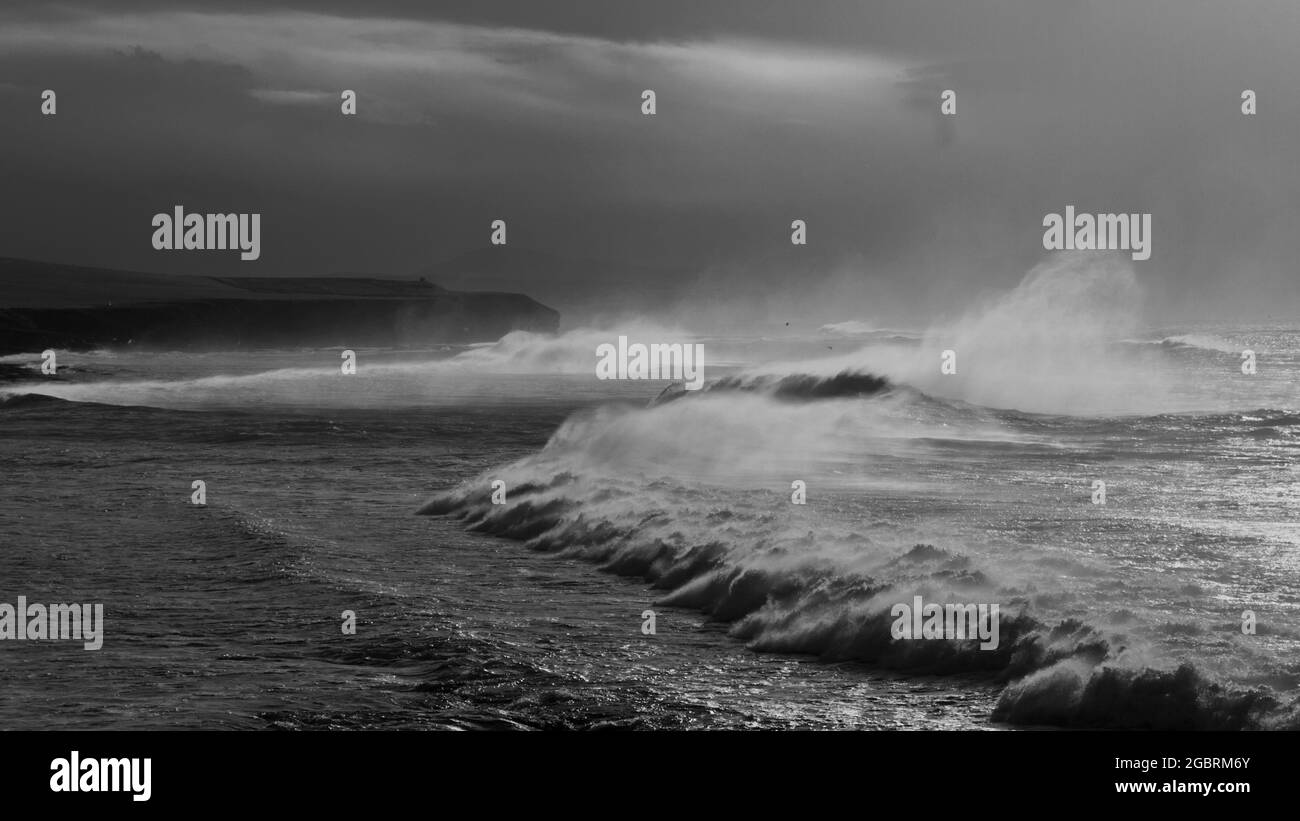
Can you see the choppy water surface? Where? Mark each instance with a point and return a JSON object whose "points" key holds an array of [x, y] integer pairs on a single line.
{"points": [[768, 614]]}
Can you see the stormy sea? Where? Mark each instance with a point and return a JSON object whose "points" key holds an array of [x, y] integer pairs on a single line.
{"points": [[523, 545]]}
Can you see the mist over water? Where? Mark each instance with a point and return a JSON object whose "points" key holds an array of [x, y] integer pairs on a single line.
{"points": [[972, 487], [1049, 346], [840, 204], [941, 486], [1071, 338]]}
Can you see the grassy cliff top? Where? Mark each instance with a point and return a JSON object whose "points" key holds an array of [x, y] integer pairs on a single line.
{"points": [[31, 284]]}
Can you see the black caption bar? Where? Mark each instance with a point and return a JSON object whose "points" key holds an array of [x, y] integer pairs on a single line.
{"points": [[146, 772]]}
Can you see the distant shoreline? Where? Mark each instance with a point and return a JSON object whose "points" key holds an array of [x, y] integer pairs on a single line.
{"points": [[47, 305]]}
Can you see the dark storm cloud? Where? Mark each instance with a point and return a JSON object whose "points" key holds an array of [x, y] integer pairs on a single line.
{"points": [[881, 23], [529, 112]]}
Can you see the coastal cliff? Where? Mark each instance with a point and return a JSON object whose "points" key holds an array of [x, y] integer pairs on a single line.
{"points": [[46, 305]]}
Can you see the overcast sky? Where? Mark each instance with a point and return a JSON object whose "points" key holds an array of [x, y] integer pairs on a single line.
{"points": [[767, 112]]}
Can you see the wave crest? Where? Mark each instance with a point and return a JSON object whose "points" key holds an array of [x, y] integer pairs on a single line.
{"points": [[797, 586]]}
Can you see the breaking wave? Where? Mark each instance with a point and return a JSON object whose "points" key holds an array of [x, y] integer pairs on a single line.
{"points": [[695, 494], [791, 582], [1205, 342]]}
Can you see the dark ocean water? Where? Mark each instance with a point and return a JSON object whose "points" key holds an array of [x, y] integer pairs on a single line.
{"points": [[228, 615], [768, 614]]}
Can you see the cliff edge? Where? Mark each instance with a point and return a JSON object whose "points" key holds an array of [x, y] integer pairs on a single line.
{"points": [[48, 305]]}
